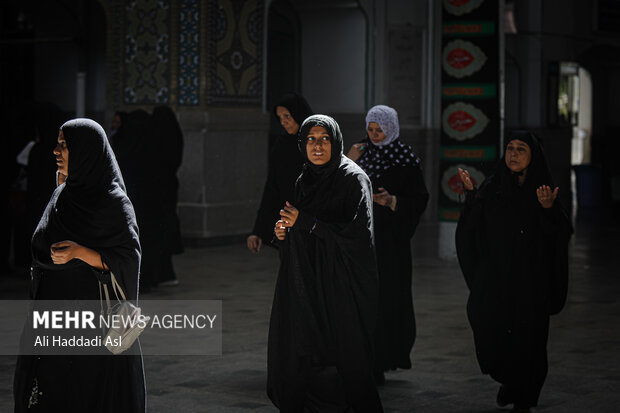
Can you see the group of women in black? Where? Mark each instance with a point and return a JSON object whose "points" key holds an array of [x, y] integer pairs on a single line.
{"points": [[342, 313]]}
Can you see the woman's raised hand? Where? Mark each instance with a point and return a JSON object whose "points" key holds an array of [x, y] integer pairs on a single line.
{"points": [[289, 215], [546, 196], [356, 151], [467, 183], [280, 230]]}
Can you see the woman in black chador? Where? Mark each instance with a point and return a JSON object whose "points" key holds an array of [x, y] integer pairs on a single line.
{"points": [[400, 199], [512, 245], [166, 232], [88, 229], [285, 163], [325, 304]]}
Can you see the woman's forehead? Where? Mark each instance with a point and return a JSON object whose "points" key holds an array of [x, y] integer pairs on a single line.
{"points": [[318, 129], [518, 142]]}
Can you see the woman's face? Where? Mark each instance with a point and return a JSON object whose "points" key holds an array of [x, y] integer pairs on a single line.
{"points": [[62, 155], [318, 146], [375, 133], [518, 155], [286, 120]]}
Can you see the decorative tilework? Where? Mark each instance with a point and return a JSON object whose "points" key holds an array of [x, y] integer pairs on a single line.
{"points": [[147, 71], [234, 51], [189, 52]]}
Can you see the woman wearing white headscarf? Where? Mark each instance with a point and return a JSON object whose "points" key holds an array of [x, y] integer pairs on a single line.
{"points": [[400, 197]]}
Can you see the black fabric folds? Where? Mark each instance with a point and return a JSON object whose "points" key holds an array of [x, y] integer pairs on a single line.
{"points": [[168, 135], [285, 163], [395, 168], [91, 208], [325, 304], [514, 256]]}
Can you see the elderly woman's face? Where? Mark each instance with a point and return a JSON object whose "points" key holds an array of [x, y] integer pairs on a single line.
{"points": [[287, 121], [375, 133], [318, 146], [62, 155], [518, 155]]}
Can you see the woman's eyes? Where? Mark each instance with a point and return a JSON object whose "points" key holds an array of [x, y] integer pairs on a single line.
{"points": [[510, 148]]}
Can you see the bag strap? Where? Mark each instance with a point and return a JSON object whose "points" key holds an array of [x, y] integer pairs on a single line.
{"points": [[117, 290], [116, 286]]}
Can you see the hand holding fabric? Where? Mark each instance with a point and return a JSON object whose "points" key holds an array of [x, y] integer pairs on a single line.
{"points": [[546, 196], [289, 215], [383, 197], [280, 230], [254, 243], [64, 251]]}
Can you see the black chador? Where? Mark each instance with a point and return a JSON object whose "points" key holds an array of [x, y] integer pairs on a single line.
{"points": [[325, 305], [285, 164], [92, 209], [514, 256]]}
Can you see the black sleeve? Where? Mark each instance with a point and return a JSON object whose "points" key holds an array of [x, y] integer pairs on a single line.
{"points": [[410, 204], [269, 209], [557, 229], [467, 249]]}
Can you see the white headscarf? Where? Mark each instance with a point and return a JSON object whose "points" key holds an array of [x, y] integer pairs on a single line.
{"points": [[387, 118]]}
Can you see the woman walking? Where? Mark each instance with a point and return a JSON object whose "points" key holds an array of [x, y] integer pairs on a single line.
{"points": [[87, 230], [325, 304], [512, 245], [400, 197]]}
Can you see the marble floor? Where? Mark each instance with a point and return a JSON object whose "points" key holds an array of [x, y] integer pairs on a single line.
{"points": [[584, 342]]}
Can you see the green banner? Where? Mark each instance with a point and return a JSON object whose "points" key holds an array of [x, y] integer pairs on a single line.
{"points": [[468, 90], [468, 29], [468, 153], [449, 214]]}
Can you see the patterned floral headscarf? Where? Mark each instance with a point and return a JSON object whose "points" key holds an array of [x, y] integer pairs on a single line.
{"points": [[389, 153], [387, 118]]}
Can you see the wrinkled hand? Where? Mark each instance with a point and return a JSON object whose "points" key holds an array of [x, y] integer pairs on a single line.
{"points": [[289, 215], [467, 183], [280, 230], [546, 196], [64, 251], [382, 197], [356, 151], [254, 243]]}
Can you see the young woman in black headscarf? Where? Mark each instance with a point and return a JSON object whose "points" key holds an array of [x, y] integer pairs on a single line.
{"points": [[400, 199], [87, 230], [285, 163], [512, 245], [325, 304]]}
